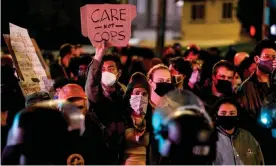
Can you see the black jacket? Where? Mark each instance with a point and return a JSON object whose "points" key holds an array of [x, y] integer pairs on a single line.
{"points": [[109, 112]]}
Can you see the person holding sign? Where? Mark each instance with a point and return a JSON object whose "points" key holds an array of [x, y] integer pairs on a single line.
{"points": [[105, 96]]}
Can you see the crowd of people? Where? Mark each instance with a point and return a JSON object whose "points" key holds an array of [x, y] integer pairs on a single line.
{"points": [[118, 89]]}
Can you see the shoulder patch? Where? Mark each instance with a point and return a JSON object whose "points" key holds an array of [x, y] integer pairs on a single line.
{"points": [[75, 159]]}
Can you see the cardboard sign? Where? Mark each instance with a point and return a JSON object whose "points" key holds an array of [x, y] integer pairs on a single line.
{"points": [[32, 73], [111, 23]]}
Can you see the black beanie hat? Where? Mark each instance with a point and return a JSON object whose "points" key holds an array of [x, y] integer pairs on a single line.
{"points": [[137, 80]]}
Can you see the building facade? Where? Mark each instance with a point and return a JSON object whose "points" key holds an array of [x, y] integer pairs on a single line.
{"points": [[206, 22], [147, 12], [210, 19]]}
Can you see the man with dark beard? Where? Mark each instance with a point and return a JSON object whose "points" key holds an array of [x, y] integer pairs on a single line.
{"points": [[254, 91]]}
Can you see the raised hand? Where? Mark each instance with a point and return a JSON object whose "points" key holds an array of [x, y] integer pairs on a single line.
{"points": [[100, 50]]}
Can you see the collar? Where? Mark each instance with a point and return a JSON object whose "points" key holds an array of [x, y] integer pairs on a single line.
{"points": [[236, 131], [253, 78], [119, 90], [164, 102]]}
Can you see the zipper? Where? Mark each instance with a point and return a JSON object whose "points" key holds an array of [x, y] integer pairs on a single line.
{"points": [[231, 140]]}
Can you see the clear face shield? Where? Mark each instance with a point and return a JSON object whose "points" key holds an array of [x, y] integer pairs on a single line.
{"points": [[177, 102], [43, 127], [183, 113], [74, 118], [70, 111]]}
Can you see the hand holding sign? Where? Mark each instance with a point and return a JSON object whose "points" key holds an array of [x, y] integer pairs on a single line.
{"points": [[107, 23], [100, 50]]}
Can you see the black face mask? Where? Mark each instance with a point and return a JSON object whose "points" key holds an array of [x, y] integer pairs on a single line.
{"points": [[224, 87], [162, 88], [227, 122]]}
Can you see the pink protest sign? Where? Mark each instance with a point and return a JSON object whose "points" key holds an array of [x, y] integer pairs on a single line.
{"points": [[107, 22]]}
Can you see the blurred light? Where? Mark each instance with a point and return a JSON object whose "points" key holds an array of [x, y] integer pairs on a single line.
{"points": [[273, 29], [134, 41], [273, 131], [252, 31], [157, 121], [266, 119], [180, 3]]}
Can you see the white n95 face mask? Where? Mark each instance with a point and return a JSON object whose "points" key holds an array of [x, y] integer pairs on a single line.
{"points": [[108, 79], [139, 104]]}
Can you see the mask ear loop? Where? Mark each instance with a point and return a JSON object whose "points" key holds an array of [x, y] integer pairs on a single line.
{"points": [[180, 80]]}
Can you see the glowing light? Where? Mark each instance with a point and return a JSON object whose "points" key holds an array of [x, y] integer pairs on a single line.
{"points": [[273, 29], [264, 120], [180, 3], [252, 30]]}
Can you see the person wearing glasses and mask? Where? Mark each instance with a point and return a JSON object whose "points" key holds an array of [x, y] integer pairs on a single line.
{"points": [[138, 121], [181, 71], [253, 93]]}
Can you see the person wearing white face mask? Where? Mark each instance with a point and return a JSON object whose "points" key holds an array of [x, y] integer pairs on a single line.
{"points": [[138, 115], [105, 96]]}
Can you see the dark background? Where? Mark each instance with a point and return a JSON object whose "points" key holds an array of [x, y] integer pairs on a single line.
{"points": [[50, 29], [62, 23]]}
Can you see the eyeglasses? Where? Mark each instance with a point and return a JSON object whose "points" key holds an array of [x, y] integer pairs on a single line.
{"points": [[268, 56]]}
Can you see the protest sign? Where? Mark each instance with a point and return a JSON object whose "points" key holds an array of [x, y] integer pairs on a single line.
{"points": [[41, 59], [106, 22], [8, 42], [32, 74]]}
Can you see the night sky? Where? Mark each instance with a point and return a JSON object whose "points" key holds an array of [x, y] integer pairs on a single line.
{"points": [[60, 22]]}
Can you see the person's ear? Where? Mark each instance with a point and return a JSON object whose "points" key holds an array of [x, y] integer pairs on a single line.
{"points": [[257, 59], [119, 73], [152, 84]]}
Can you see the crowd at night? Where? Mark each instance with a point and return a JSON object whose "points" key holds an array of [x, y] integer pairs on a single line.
{"points": [[182, 103]]}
